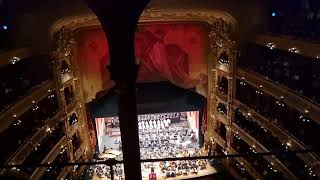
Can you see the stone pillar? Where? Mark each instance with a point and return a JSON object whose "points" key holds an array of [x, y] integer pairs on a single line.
{"points": [[118, 19]]}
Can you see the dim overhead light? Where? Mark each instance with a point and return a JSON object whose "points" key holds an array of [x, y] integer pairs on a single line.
{"points": [[289, 144], [294, 50], [14, 60], [271, 45]]}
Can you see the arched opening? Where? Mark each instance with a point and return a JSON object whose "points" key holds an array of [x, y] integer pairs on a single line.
{"points": [[222, 131], [222, 108], [68, 94], [65, 72], [73, 119], [76, 142], [223, 59], [223, 85]]}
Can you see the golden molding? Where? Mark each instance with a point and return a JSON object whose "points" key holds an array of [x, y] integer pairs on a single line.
{"points": [[221, 21]]}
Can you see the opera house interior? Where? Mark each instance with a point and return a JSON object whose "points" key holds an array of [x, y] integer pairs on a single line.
{"points": [[160, 89]]}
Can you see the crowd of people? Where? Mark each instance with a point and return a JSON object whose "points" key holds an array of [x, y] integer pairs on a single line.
{"points": [[25, 126], [158, 122], [165, 144], [260, 133], [240, 169], [272, 143], [19, 79], [52, 173], [44, 147], [296, 19], [262, 166], [102, 170], [276, 111], [298, 73], [165, 135]]}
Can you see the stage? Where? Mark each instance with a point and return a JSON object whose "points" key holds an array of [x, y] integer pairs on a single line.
{"points": [[209, 171], [169, 124]]}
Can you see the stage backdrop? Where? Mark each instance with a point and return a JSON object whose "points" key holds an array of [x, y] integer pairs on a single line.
{"points": [[167, 52]]}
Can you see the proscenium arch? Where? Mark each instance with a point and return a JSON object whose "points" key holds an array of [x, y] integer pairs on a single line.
{"points": [[214, 19], [210, 17]]}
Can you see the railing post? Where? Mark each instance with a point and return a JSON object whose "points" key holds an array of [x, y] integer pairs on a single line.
{"points": [[118, 19], [111, 172]]}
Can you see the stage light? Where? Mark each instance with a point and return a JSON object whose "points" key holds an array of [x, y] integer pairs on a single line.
{"points": [[273, 14], [5, 27]]}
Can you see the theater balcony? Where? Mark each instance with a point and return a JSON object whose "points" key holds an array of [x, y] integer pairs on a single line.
{"points": [[26, 126], [40, 110], [284, 120], [23, 75]]}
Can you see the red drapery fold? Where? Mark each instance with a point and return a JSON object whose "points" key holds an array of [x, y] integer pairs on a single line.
{"points": [[162, 61], [167, 52]]}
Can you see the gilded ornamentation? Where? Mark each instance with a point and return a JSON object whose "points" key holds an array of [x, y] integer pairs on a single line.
{"points": [[218, 20], [64, 45]]}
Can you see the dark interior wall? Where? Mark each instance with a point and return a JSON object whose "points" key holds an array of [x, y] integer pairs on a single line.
{"points": [[160, 97], [30, 20]]}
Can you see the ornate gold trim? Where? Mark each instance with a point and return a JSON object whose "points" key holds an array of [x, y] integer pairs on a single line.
{"points": [[221, 21]]}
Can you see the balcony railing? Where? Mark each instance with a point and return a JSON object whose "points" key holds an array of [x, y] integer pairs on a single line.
{"points": [[50, 157], [24, 104], [260, 148], [246, 164], [23, 152], [283, 135], [220, 140], [112, 162], [297, 101]]}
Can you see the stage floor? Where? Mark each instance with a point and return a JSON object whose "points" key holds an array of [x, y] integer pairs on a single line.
{"points": [[208, 171], [160, 137]]}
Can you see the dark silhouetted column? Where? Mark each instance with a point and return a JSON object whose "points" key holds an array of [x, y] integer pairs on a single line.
{"points": [[118, 19]]}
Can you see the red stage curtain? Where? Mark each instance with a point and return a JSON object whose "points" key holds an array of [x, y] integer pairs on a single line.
{"points": [[167, 52], [161, 60]]}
